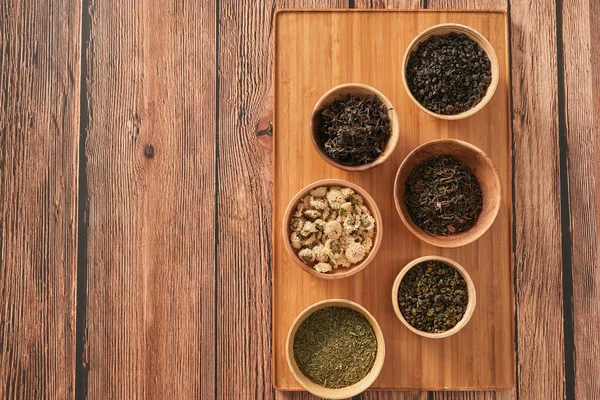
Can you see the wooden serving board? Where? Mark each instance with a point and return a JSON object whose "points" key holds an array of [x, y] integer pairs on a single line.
{"points": [[318, 49]]}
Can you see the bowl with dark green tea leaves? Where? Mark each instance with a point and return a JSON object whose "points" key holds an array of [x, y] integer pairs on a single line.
{"points": [[354, 127], [335, 349], [434, 297], [447, 192]]}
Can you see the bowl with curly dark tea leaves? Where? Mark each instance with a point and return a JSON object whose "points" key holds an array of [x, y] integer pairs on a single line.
{"points": [[335, 349], [450, 71], [434, 297], [447, 192], [354, 127]]}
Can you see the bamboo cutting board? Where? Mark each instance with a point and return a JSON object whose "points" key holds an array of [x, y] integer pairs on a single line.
{"points": [[318, 49]]}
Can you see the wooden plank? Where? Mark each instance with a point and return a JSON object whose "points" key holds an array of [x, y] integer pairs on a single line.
{"points": [[244, 174], [409, 4], [539, 307], [581, 55], [39, 139], [539, 304], [151, 88], [481, 356]]}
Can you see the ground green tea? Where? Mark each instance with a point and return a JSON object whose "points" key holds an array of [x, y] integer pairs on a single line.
{"points": [[354, 129], [335, 347], [443, 196], [433, 297]]}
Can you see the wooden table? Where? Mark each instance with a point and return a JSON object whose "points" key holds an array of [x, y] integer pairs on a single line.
{"points": [[135, 195]]}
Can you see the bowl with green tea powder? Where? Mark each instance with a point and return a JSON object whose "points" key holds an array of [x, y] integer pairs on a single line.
{"points": [[354, 127], [335, 349], [434, 296]]}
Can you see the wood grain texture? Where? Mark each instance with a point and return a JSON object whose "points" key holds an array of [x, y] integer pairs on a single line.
{"points": [[581, 55], [472, 5], [245, 184], [539, 301], [151, 88], [39, 138], [381, 4], [481, 355]]}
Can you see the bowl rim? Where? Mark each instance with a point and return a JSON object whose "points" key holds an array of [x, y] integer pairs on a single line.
{"points": [[368, 201], [474, 35], [470, 290], [348, 391], [394, 126], [451, 241]]}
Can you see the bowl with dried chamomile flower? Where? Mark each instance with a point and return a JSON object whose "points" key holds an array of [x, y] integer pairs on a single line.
{"points": [[332, 229]]}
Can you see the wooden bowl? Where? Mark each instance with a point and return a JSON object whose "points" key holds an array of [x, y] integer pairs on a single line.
{"points": [[470, 305], [486, 174], [444, 29], [340, 272], [354, 89], [348, 391]]}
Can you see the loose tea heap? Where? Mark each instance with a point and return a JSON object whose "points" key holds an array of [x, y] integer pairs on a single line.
{"points": [[331, 228], [443, 196], [448, 74], [433, 297], [354, 129], [335, 347]]}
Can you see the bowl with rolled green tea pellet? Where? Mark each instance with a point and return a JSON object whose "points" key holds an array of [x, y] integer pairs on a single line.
{"points": [[447, 192], [434, 297], [335, 349], [354, 127], [450, 71]]}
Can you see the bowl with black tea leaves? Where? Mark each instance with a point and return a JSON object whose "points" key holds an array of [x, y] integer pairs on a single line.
{"points": [[434, 297], [450, 71], [335, 349], [354, 127], [447, 192]]}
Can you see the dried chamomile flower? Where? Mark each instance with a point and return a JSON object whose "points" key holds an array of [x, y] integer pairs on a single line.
{"points": [[306, 202], [335, 199], [296, 240], [309, 240], [333, 247], [355, 252], [356, 199], [320, 224], [320, 252], [306, 255], [296, 224], [323, 267], [333, 230], [367, 243], [326, 213], [308, 228], [340, 260], [364, 210], [319, 192], [367, 222], [351, 224], [346, 192], [346, 209], [319, 203], [312, 214], [299, 210]]}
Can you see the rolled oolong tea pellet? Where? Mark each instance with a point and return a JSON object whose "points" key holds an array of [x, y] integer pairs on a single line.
{"points": [[335, 347], [433, 297], [443, 196], [448, 74]]}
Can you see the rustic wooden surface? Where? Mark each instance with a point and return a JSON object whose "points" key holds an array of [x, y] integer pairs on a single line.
{"points": [[481, 356], [161, 57]]}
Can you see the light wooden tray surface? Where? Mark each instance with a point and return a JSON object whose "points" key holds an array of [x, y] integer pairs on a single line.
{"points": [[316, 50]]}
